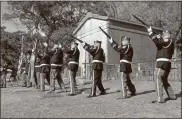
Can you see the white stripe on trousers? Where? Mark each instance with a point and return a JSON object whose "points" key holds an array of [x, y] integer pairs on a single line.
{"points": [[92, 82], [158, 85], [122, 84], [71, 83]]}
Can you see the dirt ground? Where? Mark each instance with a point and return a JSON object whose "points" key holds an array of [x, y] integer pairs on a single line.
{"points": [[20, 102]]}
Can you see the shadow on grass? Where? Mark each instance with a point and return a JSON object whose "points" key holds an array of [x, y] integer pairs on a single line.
{"points": [[179, 94], [145, 92]]}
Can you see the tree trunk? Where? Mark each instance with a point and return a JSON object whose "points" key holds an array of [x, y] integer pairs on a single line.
{"points": [[32, 64]]}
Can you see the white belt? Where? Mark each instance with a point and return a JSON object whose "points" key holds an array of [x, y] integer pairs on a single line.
{"points": [[44, 65], [126, 61], [72, 62], [98, 61], [38, 66], [164, 59], [56, 65]]}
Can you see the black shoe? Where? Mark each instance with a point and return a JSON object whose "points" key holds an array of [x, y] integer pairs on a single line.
{"points": [[103, 93], [133, 94], [155, 101], [171, 98], [71, 94], [91, 96]]}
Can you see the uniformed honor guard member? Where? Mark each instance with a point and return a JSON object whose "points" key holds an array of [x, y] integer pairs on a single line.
{"points": [[3, 75], [126, 55], [73, 59], [97, 66], [56, 64], [26, 63], [165, 50], [37, 72], [45, 69]]}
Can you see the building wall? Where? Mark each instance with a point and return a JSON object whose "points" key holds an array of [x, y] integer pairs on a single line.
{"points": [[144, 48], [90, 32]]}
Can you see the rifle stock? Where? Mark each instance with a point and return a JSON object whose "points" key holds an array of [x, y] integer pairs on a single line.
{"points": [[76, 39], [105, 33]]}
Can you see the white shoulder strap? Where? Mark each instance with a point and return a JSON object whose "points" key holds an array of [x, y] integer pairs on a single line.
{"points": [[168, 45]]}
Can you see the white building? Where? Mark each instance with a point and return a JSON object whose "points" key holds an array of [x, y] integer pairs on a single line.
{"points": [[88, 31]]}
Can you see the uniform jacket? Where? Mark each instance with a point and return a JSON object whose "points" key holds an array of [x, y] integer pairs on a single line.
{"points": [[126, 52], [126, 55], [165, 50], [98, 55], [37, 65], [44, 63], [73, 58], [56, 58]]}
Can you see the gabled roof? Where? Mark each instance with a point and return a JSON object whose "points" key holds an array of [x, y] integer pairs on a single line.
{"points": [[106, 18]]}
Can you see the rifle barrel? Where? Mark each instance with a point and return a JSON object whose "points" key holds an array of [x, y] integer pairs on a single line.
{"points": [[105, 33], [77, 39], [140, 20]]}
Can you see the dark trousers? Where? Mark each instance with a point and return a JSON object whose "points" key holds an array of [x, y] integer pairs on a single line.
{"points": [[162, 82], [43, 76], [72, 75], [3, 80], [55, 74], [97, 81], [25, 80], [126, 83], [37, 79]]}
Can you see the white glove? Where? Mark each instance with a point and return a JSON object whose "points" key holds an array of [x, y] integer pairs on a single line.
{"points": [[111, 40], [55, 46], [84, 43], [59, 45], [149, 30], [42, 33], [45, 44], [159, 36]]}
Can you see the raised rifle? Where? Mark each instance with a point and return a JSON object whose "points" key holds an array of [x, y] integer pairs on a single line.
{"points": [[143, 22], [105, 33], [76, 38], [140, 21]]}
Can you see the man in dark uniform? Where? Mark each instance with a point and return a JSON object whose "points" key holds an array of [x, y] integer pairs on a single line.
{"points": [[97, 66], [13, 75], [26, 63], [3, 75], [56, 63], [126, 55], [45, 69], [73, 59], [165, 50]]}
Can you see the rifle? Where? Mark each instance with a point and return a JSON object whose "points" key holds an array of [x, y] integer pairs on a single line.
{"points": [[105, 33], [140, 20], [154, 31], [76, 38]]}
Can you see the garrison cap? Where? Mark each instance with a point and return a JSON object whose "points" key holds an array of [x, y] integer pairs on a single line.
{"points": [[97, 41], [75, 43], [166, 31], [125, 38]]}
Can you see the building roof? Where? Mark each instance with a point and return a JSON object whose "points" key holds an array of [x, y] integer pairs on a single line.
{"points": [[106, 18]]}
